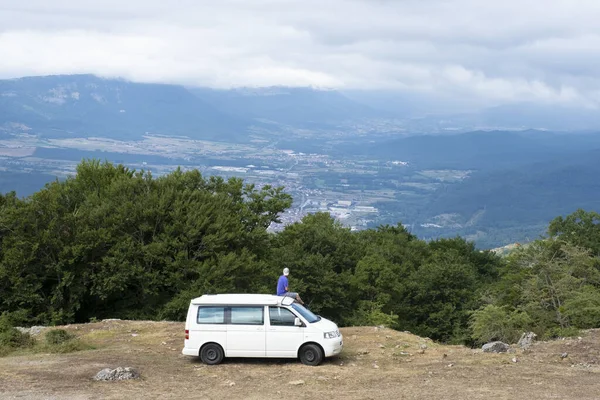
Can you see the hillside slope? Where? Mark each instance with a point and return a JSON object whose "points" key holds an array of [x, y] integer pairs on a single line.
{"points": [[479, 150], [300, 107], [86, 105], [376, 364]]}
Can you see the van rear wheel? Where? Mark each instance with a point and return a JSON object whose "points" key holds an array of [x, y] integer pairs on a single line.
{"points": [[311, 354], [211, 354]]}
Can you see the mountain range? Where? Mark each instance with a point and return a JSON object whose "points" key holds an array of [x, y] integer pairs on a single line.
{"points": [[68, 105], [76, 105]]}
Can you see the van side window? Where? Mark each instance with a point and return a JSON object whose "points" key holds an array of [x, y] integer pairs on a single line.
{"points": [[211, 315], [281, 316], [247, 315]]}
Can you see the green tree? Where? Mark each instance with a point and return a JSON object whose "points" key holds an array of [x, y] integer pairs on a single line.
{"points": [[379, 284], [321, 255], [552, 282], [111, 241], [581, 228]]}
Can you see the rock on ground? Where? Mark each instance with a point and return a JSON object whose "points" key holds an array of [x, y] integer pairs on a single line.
{"points": [[495, 347], [117, 374], [33, 331], [526, 340]]}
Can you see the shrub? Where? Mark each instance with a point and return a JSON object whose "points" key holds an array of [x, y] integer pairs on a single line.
{"points": [[62, 341], [10, 337], [369, 313], [498, 323], [558, 332], [58, 336], [583, 309]]}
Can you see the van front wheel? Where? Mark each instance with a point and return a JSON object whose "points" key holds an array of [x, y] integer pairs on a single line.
{"points": [[211, 354], [311, 354]]}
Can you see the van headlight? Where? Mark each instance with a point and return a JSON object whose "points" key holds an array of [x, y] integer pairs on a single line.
{"points": [[331, 335]]}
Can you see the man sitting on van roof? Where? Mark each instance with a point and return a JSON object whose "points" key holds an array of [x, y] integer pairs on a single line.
{"points": [[283, 287]]}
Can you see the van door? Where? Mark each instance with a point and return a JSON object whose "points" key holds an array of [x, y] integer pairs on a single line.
{"points": [[283, 337], [246, 331]]}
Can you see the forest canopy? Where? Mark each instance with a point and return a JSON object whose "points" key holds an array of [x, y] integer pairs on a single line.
{"points": [[111, 242]]}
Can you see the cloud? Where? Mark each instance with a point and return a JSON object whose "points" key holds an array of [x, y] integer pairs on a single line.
{"points": [[500, 51]]}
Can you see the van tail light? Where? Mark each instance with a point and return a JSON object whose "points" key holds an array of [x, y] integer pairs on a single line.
{"points": [[187, 334]]}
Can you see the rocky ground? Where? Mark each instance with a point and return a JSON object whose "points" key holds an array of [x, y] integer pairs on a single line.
{"points": [[376, 363]]}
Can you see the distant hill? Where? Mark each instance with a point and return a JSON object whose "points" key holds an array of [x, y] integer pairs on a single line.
{"points": [[426, 112], [480, 150], [535, 193], [547, 116], [85, 105], [514, 116], [513, 204], [518, 182], [302, 107]]}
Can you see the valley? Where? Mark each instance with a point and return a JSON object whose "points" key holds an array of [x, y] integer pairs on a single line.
{"points": [[330, 152], [348, 188]]}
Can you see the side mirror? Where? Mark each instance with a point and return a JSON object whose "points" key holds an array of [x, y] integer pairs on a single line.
{"points": [[297, 322]]}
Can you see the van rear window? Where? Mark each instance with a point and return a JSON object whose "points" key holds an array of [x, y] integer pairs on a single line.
{"points": [[211, 315]]}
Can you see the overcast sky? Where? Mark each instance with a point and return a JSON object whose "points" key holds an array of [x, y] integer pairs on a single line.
{"points": [[497, 50]]}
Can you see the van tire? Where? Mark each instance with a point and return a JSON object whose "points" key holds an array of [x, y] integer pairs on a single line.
{"points": [[311, 354], [211, 354]]}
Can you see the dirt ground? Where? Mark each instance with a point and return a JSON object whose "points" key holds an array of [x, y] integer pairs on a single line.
{"points": [[375, 364]]}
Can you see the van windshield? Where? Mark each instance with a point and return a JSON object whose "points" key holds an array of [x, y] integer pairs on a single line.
{"points": [[307, 314]]}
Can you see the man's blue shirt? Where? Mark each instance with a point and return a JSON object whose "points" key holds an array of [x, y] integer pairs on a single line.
{"points": [[282, 283]]}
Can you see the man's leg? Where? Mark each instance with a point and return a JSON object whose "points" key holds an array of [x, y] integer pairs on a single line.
{"points": [[295, 296]]}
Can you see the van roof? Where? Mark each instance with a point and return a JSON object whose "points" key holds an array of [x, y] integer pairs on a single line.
{"points": [[242, 299]]}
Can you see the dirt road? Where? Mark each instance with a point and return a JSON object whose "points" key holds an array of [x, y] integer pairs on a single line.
{"points": [[375, 364]]}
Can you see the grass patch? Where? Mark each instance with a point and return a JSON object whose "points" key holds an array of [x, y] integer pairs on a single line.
{"points": [[100, 334], [62, 341], [70, 346], [58, 336], [54, 341]]}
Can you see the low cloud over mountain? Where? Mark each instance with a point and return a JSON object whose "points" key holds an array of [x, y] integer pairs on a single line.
{"points": [[489, 53]]}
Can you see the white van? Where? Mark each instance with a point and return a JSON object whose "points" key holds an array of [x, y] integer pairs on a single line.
{"points": [[257, 325]]}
